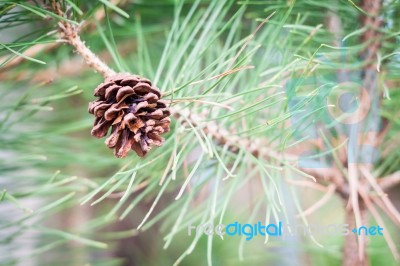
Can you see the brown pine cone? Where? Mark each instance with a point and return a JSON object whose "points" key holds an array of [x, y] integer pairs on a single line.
{"points": [[131, 106]]}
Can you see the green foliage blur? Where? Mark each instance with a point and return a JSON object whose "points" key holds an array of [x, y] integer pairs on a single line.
{"points": [[66, 200]]}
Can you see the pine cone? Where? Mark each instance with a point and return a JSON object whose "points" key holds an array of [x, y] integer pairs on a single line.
{"points": [[131, 106]]}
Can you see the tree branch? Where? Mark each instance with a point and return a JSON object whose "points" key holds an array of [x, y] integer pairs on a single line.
{"points": [[220, 135], [258, 147], [71, 34], [359, 211], [389, 181]]}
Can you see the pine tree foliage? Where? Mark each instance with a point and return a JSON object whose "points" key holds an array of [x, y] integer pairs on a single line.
{"points": [[254, 88]]}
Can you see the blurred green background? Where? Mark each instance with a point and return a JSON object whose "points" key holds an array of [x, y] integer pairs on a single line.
{"points": [[52, 170]]}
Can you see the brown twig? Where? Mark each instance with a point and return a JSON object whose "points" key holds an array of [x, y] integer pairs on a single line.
{"points": [[388, 204], [70, 33], [389, 181], [352, 243], [46, 47], [380, 221], [321, 202], [358, 210], [378, 202], [371, 35]]}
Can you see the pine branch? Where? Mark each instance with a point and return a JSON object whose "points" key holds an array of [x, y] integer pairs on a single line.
{"points": [[71, 34], [46, 47], [256, 147], [220, 135], [359, 209], [246, 154], [389, 181]]}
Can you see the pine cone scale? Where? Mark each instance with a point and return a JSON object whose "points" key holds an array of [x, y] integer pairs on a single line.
{"points": [[101, 89], [124, 92], [114, 111], [100, 127]]}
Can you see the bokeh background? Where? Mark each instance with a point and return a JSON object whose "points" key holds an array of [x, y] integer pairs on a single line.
{"points": [[66, 200]]}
